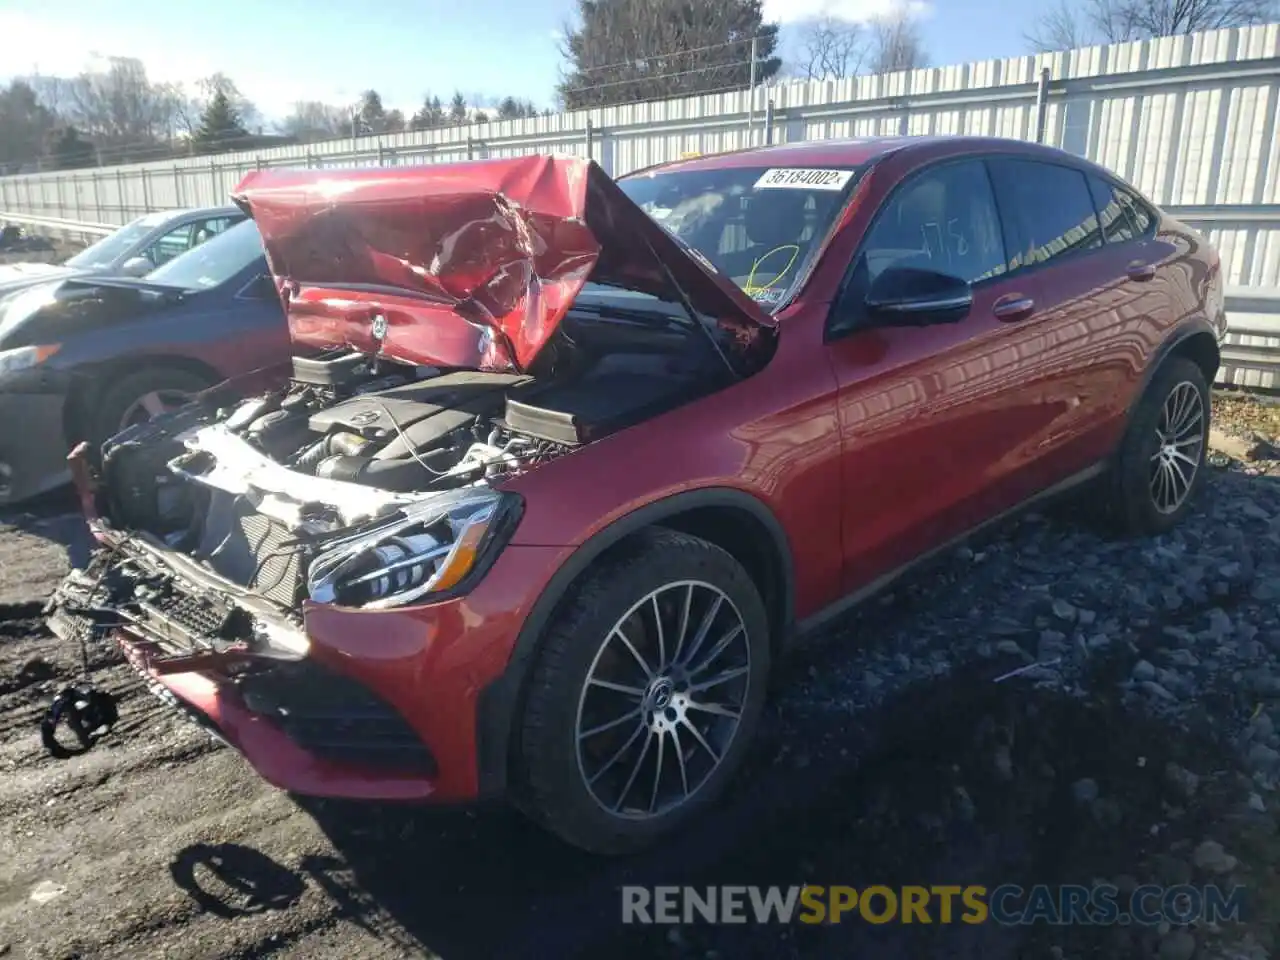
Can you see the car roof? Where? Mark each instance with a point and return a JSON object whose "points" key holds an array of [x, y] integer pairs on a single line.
{"points": [[163, 218], [228, 210], [855, 152]]}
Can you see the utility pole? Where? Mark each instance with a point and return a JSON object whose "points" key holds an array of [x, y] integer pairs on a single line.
{"points": [[1042, 104], [751, 97]]}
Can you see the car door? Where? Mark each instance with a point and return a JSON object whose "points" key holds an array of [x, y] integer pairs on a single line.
{"points": [[1083, 294], [936, 421]]}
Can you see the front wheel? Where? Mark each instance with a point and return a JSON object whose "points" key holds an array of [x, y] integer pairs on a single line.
{"points": [[139, 397], [1160, 464], [645, 695]]}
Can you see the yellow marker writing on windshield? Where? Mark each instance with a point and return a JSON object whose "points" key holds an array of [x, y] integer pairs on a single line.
{"points": [[750, 288]]}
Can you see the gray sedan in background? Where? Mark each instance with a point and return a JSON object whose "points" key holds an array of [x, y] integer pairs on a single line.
{"points": [[134, 250]]}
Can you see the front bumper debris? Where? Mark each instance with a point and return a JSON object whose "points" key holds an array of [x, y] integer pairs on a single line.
{"points": [[304, 726]]}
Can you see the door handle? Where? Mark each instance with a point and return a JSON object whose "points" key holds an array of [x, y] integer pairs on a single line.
{"points": [[1013, 307], [1141, 271]]}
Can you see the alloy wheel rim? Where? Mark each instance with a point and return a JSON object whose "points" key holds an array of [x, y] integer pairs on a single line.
{"points": [[1180, 447], [662, 701], [153, 404]]}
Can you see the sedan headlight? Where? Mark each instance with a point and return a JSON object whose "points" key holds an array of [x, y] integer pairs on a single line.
{"points": [[429, 548], [24, 358]]}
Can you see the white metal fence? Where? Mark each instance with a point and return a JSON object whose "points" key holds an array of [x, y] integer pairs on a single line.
{"points": [[1192, 121]]}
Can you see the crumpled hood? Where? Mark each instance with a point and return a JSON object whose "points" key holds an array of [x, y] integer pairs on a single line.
{"points": [[471, 264]]}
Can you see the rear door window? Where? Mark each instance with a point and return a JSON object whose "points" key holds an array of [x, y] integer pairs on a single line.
{"points": [[1050, 207]]}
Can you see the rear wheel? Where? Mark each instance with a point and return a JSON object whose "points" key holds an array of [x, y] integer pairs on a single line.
{"points": [[1160, 465], [139, 397], [645, 695]]}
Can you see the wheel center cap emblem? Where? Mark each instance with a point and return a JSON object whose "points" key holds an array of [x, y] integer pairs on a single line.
{"points": [[660, 695]]}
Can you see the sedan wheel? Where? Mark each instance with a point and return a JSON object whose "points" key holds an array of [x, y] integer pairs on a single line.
{"points": [[1180, 434], [662, 699], [645, 692], [153, 404], [137, 398]]}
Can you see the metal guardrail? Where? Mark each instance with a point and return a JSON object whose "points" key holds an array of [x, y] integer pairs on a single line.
{"points": [[1250, 355], [57, 223]]}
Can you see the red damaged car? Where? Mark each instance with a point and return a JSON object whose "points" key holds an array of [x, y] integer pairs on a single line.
{"points": [[566, 462]]}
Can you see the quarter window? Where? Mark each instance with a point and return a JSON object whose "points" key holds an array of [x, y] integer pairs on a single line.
{"points": [[943, 220], [1123, 216], [1052, 207]]}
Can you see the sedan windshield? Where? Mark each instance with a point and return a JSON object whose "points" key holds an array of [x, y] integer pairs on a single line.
{"points": [[113, 246], [757, 225], [214, 262]]}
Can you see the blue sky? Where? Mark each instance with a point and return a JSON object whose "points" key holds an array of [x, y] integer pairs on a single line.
{"points": [[280, 51]]}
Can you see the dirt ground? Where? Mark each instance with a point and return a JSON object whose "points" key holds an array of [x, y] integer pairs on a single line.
{"points": [[889, 755]]}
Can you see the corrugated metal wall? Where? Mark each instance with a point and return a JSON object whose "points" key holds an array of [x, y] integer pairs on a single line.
{"points": [[1192, 121]]}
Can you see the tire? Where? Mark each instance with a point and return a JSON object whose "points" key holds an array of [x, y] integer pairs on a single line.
{"points": [[1137, 503], [571, 787], [118, 401]]}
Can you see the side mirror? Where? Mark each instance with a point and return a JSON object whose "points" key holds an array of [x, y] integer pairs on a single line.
{"points": [[914, 297], [137, 267]]}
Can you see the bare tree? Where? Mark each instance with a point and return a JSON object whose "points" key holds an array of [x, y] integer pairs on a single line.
{"points": [[313, 120], [1059, 27], [832, 48], [1162, 18], [1084, 22], [896, 44], [120, 108]]}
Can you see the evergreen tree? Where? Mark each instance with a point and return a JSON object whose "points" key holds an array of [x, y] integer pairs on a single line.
{"points": [[220, 128], [68, 150], [458, 109]]}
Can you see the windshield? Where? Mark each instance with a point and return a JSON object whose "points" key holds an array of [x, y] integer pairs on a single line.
{"points": [[757, 225], [115, 245], [214, 262]]}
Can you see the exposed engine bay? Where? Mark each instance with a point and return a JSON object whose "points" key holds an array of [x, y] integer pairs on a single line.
{"points": [[367, 482]]}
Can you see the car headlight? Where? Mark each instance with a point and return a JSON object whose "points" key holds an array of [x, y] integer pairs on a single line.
{"points": [[429, 548], [24, 358]]}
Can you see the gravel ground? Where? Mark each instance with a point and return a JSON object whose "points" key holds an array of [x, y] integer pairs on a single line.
{"points": [[1147, 751]]}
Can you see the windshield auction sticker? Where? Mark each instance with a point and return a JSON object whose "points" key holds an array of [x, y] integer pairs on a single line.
{"points": [[787, 178]]}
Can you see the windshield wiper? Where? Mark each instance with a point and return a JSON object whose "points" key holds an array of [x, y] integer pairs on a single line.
{"points": [[626, 313]]}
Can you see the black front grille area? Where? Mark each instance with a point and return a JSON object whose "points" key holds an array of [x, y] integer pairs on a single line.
{"points": [[182, 623], [334, 717]]}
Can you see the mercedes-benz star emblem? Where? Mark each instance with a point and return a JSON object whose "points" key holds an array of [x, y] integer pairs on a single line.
{"points": [[379, 327]]}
